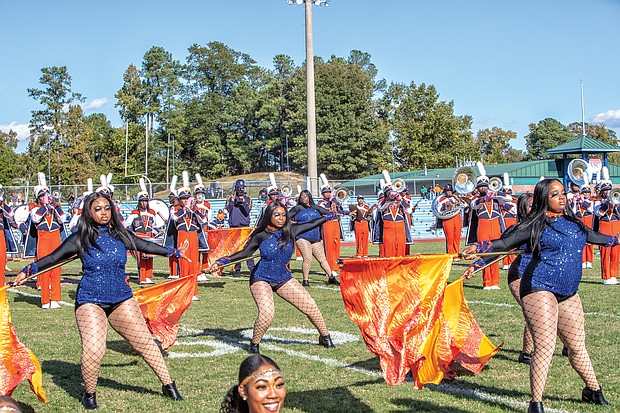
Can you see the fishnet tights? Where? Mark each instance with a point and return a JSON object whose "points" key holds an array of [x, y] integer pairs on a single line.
{"points": [[528, 341], [292, 292], [307, 250], [548, 320], [127, 320]]}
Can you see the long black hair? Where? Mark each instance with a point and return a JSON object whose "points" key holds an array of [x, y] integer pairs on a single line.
{"points": [[265, 220], [522, 206], [88, 229], [233, 402], [537, 220], [310, 199]]}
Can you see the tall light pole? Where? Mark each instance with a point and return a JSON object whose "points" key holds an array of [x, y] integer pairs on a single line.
{"points": [[310, 102]]}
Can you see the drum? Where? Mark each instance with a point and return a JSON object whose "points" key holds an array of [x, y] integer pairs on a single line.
{"points": [[161, 210]]}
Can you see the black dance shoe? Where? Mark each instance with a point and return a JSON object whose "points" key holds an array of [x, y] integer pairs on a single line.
{"points": [[535, 407], [305, 283], [594, 396], [254, 349], [565, 351], [89, 400], [170, 390], [525, 358], [333, 280], [326, 341]]}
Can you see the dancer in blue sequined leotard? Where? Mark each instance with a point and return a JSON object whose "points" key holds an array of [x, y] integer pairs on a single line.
{"points": [[274, 236], [103, 295], [548, 290]]}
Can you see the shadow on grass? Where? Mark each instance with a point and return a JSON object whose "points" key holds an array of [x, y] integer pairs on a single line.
{"points": [[414, 406], [334, 399], [68, 376]]}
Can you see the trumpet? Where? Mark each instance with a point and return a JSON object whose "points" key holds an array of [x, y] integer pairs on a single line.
{"points": [[398, 185], [56, 196], [614, 196], [578, 172]]}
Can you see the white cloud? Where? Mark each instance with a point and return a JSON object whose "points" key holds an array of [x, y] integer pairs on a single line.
{"points": [[22, 130], [611, 118], [95, 104]]}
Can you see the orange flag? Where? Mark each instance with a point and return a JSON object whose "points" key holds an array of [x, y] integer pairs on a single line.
{"points": [[163, 304], [411, 319], [17, 362], [225, 242]]}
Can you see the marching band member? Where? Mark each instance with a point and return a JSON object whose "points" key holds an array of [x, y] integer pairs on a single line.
{"points": [[7, 242], [76, 210], [170, 235], [141, 222], [392, 227], [452, 227], [108, 189], [584, 210], [359, 224], [47, 226], [609, 224], [374, 223], [332, 232], [200, 193], [239, 205], [486, 223], [509, 214], [188, 223]]}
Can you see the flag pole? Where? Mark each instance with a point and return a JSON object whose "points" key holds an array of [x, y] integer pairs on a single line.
{"points": [[58, 264]]}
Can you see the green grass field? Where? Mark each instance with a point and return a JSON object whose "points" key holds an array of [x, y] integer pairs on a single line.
{"points": [[214, 335]]}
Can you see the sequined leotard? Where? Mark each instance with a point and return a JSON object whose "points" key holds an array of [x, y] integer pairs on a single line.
{"points": [[303, 214], [272, 265], [104, 280], [558, 268]]}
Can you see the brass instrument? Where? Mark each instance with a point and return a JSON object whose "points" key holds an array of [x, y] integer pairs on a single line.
{"points": [[286, 191], [398, 185], [56, 196], [614, 196], [578, 172], [447, 213], [342, 195], [495, 184], [464, 180]]}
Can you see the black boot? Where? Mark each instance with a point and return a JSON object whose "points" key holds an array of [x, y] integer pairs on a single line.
{"points": [[594, 396], [170, 390], [332, 280], [89, 400], [305, 283], [254, 349], [525, 358], [535, 407], [564, 351], [326, 341]]}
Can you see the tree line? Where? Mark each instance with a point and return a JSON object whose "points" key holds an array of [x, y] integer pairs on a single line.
{"points": [[219, 113]]}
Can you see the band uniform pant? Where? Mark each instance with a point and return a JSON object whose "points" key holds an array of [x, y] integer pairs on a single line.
{"points": [[361, 239], [331, 239], [452, 228], [49, 281], [609, 255], [489, 229], [394, 239]]}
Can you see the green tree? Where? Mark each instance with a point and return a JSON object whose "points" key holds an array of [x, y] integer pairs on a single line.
{"points": [[495, 145], [545, 135], [426, 130], [10, 166], [48, 125], [599, 132]]}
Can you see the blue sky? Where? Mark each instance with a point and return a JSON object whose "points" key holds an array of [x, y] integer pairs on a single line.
{"points": [[505, 63]]}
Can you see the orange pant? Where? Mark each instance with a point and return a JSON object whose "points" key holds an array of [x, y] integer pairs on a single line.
{"points": [[452, 229], [489, 229], [331, 239], [2, 257], [186, 267], [173, 263], [394, 239], [361, 239], [609, 255], [588, 251], [49, 280], [205, 260], [508, 259], [146, 268]]}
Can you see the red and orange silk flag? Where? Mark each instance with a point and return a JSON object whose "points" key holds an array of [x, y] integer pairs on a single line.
{"points": [[17, 362], [411, 319], [225, 242], [163, 304]]}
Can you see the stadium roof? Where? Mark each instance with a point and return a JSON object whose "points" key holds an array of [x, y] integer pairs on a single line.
{"points": [[584, 144]]}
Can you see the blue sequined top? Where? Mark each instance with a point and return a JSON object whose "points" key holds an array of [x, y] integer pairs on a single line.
{"points": [[303, 214], [558, 269], [274, 257], [104, 280]]}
